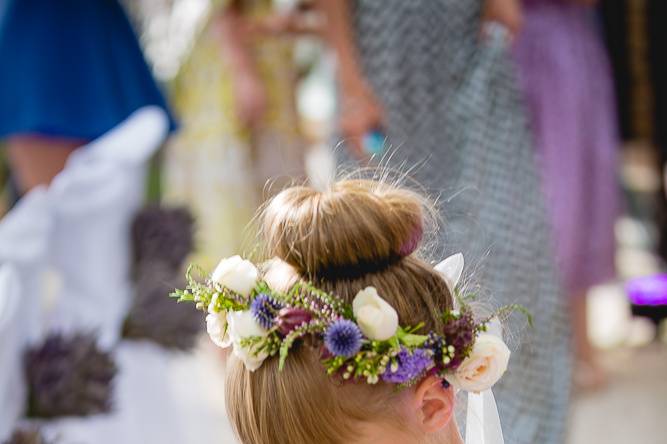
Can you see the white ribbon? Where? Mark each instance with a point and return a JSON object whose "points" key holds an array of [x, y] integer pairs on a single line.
{"points": [[482, 419]]}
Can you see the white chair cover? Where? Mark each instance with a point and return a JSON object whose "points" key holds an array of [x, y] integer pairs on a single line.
{"points": [[94, 200], [25, 234], [83, 221], [12, 341]]}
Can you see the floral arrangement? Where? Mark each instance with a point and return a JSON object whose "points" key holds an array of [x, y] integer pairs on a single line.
{"points": [[69, 376], [162, 238], [363, 341]]}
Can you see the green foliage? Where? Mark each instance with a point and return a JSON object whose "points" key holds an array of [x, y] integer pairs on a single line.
{"points": [[315, 327], [202, 294]]}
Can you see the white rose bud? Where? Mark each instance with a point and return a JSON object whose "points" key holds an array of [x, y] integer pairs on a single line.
{"points": [[216, 326], [242, 324], [484, 367], [376, 318], [236, 274]]}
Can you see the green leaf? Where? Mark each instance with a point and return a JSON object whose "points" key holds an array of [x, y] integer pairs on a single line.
{"points": [[394, 341], [284, 351], [411, 340]]}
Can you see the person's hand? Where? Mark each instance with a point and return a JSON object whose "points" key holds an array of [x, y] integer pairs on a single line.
{"points": [[361, 113], [506, 12], [250, 99]]}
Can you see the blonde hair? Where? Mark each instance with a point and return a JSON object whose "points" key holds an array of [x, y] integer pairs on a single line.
{"points": [[358, 233]]}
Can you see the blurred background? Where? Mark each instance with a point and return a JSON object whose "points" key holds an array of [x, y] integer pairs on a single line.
{"points": [[193, 112]]}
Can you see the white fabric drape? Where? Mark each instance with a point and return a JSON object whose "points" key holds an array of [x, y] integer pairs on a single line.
{"points": [[12, 391], [94, 200]]}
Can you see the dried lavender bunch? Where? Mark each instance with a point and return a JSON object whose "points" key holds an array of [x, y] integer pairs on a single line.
{"points": [[27, 436], [154, 316], [162, 234], [69, 376]]}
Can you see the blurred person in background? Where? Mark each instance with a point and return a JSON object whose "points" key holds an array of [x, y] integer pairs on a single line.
{"points": [[565, 75], [73, 70], [436, 77], [636, 37], [235, 96]]}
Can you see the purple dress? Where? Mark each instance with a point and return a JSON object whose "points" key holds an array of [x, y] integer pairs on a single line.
{"points": [[567, 83]]}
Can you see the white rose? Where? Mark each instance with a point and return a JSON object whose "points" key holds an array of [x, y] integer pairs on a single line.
{"points": [[242, 324], [216, 326], [484, 367], [376, 318], [236, 274]]}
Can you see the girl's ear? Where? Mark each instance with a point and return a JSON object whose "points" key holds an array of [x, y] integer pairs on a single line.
{"points": [[433, 404]]}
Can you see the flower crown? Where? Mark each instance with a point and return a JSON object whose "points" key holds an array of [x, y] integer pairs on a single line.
{"points": [[363, 341]]}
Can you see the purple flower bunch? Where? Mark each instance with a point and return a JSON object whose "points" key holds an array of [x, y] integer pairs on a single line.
{"points": [[459, 333], [408, 365], [161, 240], [162, 234], [69, 376]]}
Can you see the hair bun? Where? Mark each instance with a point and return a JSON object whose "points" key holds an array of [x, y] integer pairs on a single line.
{"points": [[356, 226]]}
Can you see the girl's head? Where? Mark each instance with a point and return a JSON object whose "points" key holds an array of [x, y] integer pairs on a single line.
{"points": [[357, 234]]}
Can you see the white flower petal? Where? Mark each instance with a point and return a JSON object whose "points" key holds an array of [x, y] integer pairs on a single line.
{"points": [[376, 318], [242, 324], [216, 326], [225, 267], [484, 367], [236, 274]]}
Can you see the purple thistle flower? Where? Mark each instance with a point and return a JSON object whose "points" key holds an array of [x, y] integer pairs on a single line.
{"points": [[410, 366], [343, 338], [264, 309]]}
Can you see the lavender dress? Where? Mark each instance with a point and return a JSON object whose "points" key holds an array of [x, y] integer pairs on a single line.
{"points": [[565, 76]]}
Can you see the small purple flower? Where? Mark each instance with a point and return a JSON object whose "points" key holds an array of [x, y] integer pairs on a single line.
{"points": [[291, 318], [264, 309], [408, 366], [343, 338]]}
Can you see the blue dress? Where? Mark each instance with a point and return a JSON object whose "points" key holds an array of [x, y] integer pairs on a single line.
{"points": [[70, 68]]}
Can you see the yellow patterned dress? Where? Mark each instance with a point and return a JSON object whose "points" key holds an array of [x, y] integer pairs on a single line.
{"points": [[214, 164]]}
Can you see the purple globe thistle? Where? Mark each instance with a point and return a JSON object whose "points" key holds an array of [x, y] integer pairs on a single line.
{"points": [[343, 338], [264, 309], [408, 366]]}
